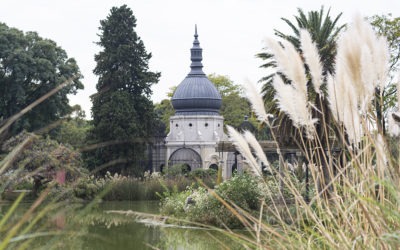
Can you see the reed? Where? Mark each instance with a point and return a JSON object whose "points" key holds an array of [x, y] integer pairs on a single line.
{"points": [[362, 208]]}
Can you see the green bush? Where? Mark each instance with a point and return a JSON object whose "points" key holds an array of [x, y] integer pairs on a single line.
{"points": [[176, 170], [241, 190], [208, 177], [203, 173], [272, 191], [39, 157], [88, 187], [174, 204]]}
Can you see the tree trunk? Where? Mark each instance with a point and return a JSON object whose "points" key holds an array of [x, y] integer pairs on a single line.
{"points": [[379, 115], [323, 151]]}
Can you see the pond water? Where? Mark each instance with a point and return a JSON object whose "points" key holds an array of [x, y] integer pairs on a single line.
{"points": [[99, 229]]}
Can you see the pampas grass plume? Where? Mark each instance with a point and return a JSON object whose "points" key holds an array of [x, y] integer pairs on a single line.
{"points": [[252, 141], [243, 147], [290, 64], [294, 104], [312, 58], [361, 67], [256, 101]]}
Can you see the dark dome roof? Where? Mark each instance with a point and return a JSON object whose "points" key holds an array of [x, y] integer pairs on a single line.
{"points": [[196, 95]]}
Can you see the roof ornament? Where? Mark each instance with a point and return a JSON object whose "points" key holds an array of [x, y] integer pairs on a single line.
{"points": [[196, 95], [196, 56]]}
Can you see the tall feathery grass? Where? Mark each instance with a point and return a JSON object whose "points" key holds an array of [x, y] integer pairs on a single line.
{"points": [[362, 208]]}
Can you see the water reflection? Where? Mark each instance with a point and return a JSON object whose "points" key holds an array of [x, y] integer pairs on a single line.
{"points": [[99, 229]]}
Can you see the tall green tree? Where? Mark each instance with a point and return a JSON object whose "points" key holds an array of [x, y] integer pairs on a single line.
{"points": [[73, 129], [123, 115], [389, 27], [234, 106], [164, 111], [324, 31], [30, 67]]}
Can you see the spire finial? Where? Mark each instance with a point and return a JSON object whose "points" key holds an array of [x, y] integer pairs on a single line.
{"points": [[196, 56]]}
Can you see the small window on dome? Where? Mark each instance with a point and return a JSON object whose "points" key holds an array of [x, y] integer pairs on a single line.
{"points": [[206, 124], [176, 125], [218, 125], [190, 124]]}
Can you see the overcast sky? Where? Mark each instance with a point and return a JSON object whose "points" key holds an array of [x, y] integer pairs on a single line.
{"points": [[231, 32]]}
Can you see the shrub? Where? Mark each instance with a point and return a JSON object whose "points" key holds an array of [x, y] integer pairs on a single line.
{"points": [[40, 158], [176, 170], [174, 204], [241, 190], [88, 187], [206, 176], [202, 173]]}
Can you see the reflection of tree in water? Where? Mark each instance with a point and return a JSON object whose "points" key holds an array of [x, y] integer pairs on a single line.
{"points": [[79, 227], [125, 231], [118, 230]]}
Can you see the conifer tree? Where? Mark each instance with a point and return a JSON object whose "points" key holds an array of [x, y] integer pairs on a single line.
{"points": [[123, 114]]}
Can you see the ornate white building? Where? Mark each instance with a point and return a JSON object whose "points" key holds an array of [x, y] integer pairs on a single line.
{"points": [[197, 126]]}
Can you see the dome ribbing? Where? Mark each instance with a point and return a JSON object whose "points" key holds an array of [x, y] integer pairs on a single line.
{"points": [[196, 95]]}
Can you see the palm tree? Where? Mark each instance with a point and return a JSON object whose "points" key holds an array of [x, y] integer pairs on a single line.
{"points": [[324, 32]]}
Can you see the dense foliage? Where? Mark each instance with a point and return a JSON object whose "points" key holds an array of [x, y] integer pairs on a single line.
{"points": [[388, 27], [324, 31], [234, 105], [122, 112], [36, 162], [164, 111], [31, 66], [205, 206], [72, 130]]}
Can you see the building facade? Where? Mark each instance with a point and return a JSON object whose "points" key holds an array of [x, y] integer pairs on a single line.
{"points": [[197, 127]]}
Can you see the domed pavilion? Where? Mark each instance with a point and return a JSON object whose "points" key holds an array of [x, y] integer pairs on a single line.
{"points": [[197, 125]]}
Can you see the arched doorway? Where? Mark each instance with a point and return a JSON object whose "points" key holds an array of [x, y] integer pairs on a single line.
{"points": [[187, 156]]}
